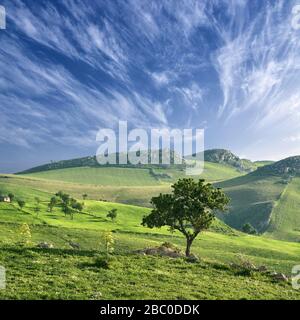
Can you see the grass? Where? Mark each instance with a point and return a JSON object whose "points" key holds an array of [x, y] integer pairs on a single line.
{"points": [[114, 176], [252, 200], [65, 273], [285, 220]]}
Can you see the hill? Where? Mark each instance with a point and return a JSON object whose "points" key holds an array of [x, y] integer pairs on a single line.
{"points": [[219, 156], [288, 167], [132, 176], [63, 272], [285, 218], [268, 198], [223, 156]]}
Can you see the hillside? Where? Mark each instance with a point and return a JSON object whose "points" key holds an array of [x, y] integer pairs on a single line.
{"points": [[219, 156], [127, 176], [268, 199], [223, 156], [66, 273], [285, 217], [252, 200], [288, 167]]}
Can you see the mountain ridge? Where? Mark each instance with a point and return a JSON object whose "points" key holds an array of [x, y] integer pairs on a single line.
{"points": [[221, 156]]}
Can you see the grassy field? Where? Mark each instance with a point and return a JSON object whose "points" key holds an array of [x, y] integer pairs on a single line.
{"points": [[65, 273], [138, 195], [285, 219], [115, 176], [252, 200]]}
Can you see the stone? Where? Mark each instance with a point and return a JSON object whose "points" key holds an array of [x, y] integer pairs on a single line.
{"points": [[279, 277], [45, 245]]}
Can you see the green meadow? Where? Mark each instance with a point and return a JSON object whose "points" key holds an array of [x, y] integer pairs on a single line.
{"points": [[63, 272]]}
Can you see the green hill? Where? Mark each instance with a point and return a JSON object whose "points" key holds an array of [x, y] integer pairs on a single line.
{"points": [[286, 167], [268, 199], [67, 273], [285, 217], [252, 200], [126, 176]]}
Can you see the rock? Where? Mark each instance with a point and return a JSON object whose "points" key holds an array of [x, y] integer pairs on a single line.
{"points": [[262, 269], [161, 251], [279, 276], [45, 245], [192, 259], [74, 245]]}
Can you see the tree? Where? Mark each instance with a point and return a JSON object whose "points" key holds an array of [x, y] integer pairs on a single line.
{"points": [[84, 196], [248, 228], [37, 209], [65, 209], [21, 204], [112, 214], [52, 203], [77, 206], [11, 196], [37, 200], [190, 208]]}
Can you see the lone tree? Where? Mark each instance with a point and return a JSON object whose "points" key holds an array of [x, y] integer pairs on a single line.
{"points": [[112, 214], [21, 204], [190, 208]]}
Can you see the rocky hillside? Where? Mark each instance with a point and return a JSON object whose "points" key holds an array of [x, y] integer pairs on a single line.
{"points": [[289, 167], [227, 157], [221, 156]]}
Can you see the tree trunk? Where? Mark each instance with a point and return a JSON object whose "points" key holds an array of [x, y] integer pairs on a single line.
{"points": [[188, 247]]}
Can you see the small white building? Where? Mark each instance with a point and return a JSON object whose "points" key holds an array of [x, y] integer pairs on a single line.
{"points": [[5, 199]]}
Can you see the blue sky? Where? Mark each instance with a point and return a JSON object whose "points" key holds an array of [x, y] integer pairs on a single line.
{"points": [[69, 68]]}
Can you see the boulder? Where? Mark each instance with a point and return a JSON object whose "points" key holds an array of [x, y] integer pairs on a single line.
{"points": [[45, 245], [262, 269], [74, 245], [279, 277]]}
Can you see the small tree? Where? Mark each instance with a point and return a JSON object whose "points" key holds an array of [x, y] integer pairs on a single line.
{"points": [[78, 206], [84, 196], [190, 209], [37, 210], [52, 203], [25, 233], [37, 200], [11, 196], [248, 228], [109, 243], [21, 204], [112, 214], [65, 209]]}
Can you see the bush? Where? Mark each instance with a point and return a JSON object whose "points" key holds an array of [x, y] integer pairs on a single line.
{"points": [[248, 228]]}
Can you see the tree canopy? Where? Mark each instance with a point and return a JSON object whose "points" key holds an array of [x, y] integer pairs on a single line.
{"points": [[190, 208]]}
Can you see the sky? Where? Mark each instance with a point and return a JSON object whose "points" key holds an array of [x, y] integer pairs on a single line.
{"points": [[69, 68]]}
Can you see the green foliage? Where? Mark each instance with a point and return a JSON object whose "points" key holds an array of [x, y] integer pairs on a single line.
{"points": [[21, 203], [25, 234], [37, 200], [11, 196], [109, 243], [190, 209], [112, 214], [52, 203], [248, 228]]}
